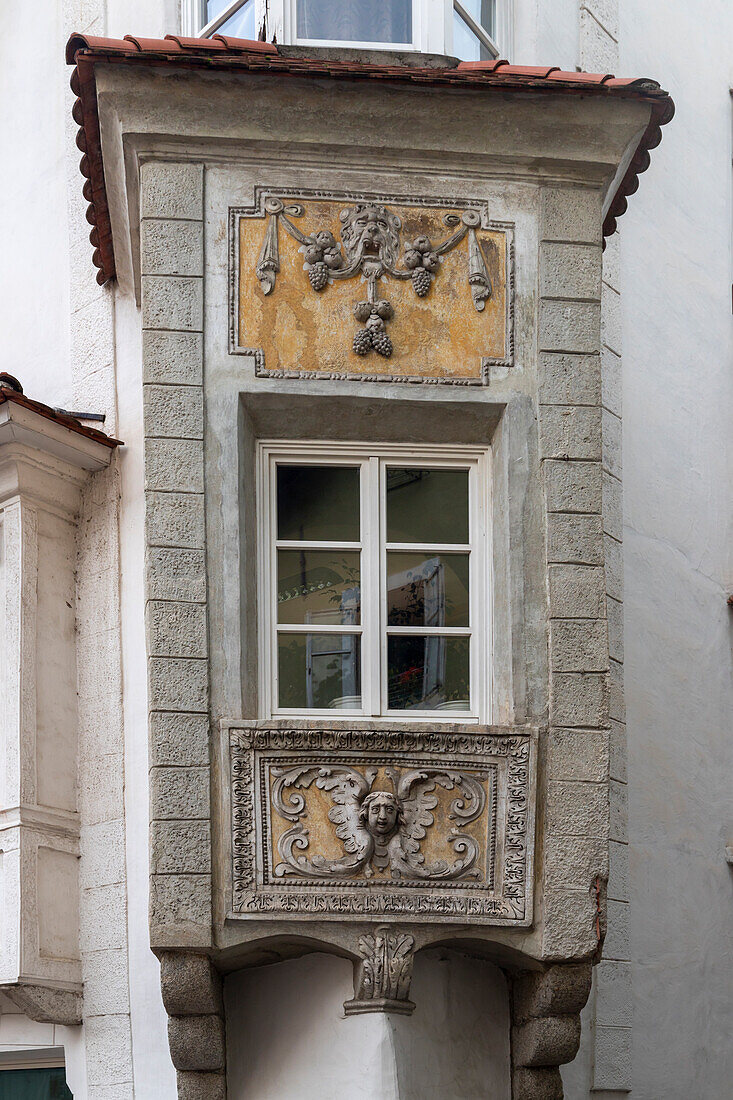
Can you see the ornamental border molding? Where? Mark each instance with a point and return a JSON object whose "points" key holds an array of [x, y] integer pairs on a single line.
{"points": [[259, 210], [252, 747]]}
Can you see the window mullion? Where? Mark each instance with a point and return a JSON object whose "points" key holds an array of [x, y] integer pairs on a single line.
{"points": [[372, 595]]}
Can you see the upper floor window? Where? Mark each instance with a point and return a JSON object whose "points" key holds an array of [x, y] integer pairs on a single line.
{"points": [[374, 585], [469, 29]]}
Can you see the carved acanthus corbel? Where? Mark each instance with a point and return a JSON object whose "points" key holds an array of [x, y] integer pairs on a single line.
{"points": [[382, 977]]}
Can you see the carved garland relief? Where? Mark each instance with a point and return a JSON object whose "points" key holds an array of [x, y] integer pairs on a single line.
{"points": [[426, 826], [376, 289]]}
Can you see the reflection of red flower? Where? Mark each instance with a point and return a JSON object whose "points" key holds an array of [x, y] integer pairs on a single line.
{"points": [[409, 674]]}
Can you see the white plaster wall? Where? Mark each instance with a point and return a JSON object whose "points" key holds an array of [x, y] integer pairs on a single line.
{"points": [[287, 1035]]}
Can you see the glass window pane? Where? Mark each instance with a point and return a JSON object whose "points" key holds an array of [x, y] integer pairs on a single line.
{"points": [[355, 20], [466, 45], [427, 589], [427, 673], [240, 25], [318, 503], [484, 13], [425, 505], [318, 586], [34, 1084], [319, 671]]}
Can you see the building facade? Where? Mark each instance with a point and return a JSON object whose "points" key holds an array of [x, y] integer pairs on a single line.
{"points": [[367, 676]]}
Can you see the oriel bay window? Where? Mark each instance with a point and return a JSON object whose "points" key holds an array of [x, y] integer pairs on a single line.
{"points": [[374, 595]]}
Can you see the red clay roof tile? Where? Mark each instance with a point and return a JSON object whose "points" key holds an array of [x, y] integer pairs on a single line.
{"points": [[8, 392], [243, 56]]}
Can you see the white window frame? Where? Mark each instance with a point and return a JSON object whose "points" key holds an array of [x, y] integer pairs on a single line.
{"points": [[432, 25], [372, 459]]}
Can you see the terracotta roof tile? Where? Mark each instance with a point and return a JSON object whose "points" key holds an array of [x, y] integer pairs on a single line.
{"points": [[244, 56], [9, 393]]}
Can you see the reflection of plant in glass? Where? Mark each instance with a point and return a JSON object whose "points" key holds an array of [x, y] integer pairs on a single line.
{"points": [[412, 611]]}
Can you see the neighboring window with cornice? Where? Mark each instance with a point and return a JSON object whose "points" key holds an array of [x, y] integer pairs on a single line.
{"points": [[473, 30]]}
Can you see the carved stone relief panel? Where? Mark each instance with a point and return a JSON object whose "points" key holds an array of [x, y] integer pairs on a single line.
{"points": [[425, 826], [371, 287]]}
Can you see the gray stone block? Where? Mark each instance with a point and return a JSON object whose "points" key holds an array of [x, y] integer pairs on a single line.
{"points": [[179, 739], [171, 247], [567, 379], [578, 754], [537, 1084], [617, 769], [175, 519], [611, 251], [176, 574], [611, 319], [616, 944], [613, 993], [556, 991], [551, 1041], [570, 431], [598, 50], [612, 1059], [180, 911], [176, 629], [577, 809], [181, 847], [612, 507], [173, 358], [106, 983], [573, 486], [618, 870], [577, 591], [179, 793], [614, 561], [611, 383], [174, 465], [618, 794], [108, 1046], [574, 539], [571, 214], [575, 863], [178, 684], [201, 1086], [616, 701], [197, 1043], [171, 190], [615, 612], [612, 444], [570, 270], [190, 984], [103, 919], [569, 930], [579, 699], [172, 302], [578, 645], [563, 326], [175, 412]]}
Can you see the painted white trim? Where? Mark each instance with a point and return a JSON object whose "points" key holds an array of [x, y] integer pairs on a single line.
{"points": [[373, 460]]}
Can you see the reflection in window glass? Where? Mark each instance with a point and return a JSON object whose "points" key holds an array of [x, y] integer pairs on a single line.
{"points": [[34, 1084], [466, 45], [240, 25], [483, 12], [427, 672], [355, 20], [427, 505], [319, 671], [427, 590], [318, 586], [318, 503]]}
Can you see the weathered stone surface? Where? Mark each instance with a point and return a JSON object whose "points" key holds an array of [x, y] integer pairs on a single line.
{"points": [[617, 743], [537, 1084], [181, 846], [617, 944], [176, 629], [566, 326], [550, 1041], [571, 214], [190, 984], [174, 465], [175, 573], [181, 740], [615, 612], [197, 1043], [614, 1002], [172, 302], [173, 358], [613, 553], [557, 991], [578, 645], [577, 591], [618, 870], [570, 929], [570, 270], [49, 1006], [618, 798], [578, 754], [570, 431], [612, 507], [616, 702], [178, 684], [575, 862], [577, 809], [568, 379], [612, 444], [578, 699], [171, 190], [106, 983], [103, 917], [175, 412], [175, 519], [201, 1086], [573, 486], [177, 793], [108, 1044], [606, 13], [611, 319], [598, 50], [611, 385], [612, 1059], [574, 540], [171, 247], [180, 910]]}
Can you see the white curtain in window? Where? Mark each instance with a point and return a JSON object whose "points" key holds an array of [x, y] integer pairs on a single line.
{"points": [[355, 20]]}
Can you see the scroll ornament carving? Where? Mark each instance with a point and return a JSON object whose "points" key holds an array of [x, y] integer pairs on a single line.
{"points": [[382, 980], [370, 247], [379, 830]]}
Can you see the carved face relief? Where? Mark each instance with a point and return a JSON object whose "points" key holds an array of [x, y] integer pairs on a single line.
{"points": [[380, 814], [370, 232]]}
